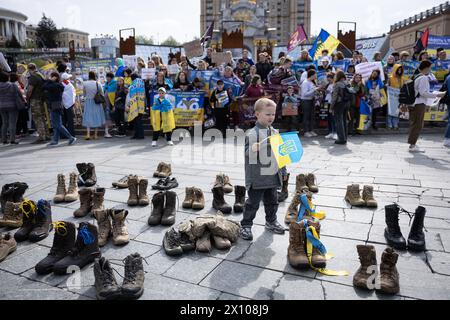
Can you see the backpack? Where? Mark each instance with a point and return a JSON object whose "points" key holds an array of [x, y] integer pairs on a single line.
{"points": [[408, 92]]}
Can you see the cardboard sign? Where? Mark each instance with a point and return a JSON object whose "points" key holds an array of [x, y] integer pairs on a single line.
{"points": [[148, 73], [130, 62], [193, 49], [366, 69], [173, 69], [289, 109], [219, 57]]}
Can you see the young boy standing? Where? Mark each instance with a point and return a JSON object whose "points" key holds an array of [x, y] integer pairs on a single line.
{"points": [[262, 176]]}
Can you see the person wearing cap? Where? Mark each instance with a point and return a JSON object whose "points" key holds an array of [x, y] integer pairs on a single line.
{"points": [[69, 96], [404, 56], [162, 118]]}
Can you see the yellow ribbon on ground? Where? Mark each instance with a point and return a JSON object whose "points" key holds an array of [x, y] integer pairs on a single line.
{"points": [[318, 215]]}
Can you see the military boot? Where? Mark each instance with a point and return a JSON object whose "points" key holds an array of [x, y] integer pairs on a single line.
{"points": [[353, 196], [43, 220], [219, 201], [105, 282], [19, 189], [416, 238], [133, 284], [300, 183], [199, 199], [85, 203], [158, 209], [7, 246], [223, 181], [13, 216], [166, 170], [119, 229], [203, 243], [91, 177], [221, 243], [189, 200], [292, 211], [133, 185], [158, 170], [84, 252], [172, 243], [170, 210], [72, 191], [98, 197], [240, 199], [368, 197], [368, 259], [122, 183], [143, 197], [389, 277], [318, 259], [284, 194], [297, 246], [60, 189], [104, 226], [63, 242], [28, 209], [392, 233], [311, 183], [83, 174], [6, 196]]}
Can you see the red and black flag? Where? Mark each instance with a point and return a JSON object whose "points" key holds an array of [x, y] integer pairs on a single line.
{"points": [[208, 35], [422, 42]]}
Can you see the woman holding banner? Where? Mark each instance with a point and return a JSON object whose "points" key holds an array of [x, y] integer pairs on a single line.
{"points": [[374, 85], [396, 80]]}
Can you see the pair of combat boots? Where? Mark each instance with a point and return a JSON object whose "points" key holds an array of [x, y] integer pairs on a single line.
{"points": [[223, 181], [164, 209], [112, 222], [87, 176], [306, 182], [37, 219], [122, 183], [133, 283], [70, 250], [389, 277], [195, 199], [91, 200], [164, 170], [205, 242], [220, 204], [66, 195], [353, 196], [12, 192], [138, 192], [175, 243], [393, 234]]}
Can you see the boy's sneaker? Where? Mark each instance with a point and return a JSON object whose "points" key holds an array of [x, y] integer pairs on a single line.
{"points": [[154, 144], [169, 143], [275, 227], [308, 135], [335, 136], [330, 136], [246, 233], [73, 141], [416, 149]]}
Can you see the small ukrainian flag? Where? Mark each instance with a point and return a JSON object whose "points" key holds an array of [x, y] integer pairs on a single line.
{"points": [[287, 148]]}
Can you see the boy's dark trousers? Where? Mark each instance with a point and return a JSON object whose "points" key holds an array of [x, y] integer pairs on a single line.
{"points": [[68, 117], [270, 199], [119, 117], [221, 115]]}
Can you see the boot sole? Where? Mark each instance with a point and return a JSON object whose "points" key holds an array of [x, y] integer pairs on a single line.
{"points": [[396, 246], [134, 296], [115, 296], [415, 248]]}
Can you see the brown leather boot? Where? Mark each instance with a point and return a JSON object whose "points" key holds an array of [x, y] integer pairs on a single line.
{"points": [[12, 218], [158, 170], [133, 185], [318, 260], [119, 229], [311, 182], [199, 199], [368, 197], [104, 226], [389, 277], [60, 189], [85, 203], [166, 170], [98, 197], [297, 246], [292, 211], [300, 183], [143, 197], [72, 191], [368, 259], [223, 181], [187, 203]]}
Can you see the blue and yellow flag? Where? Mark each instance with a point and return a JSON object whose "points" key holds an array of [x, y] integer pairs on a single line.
{"points": [[364, 118], [323, 41], [287, 148]]}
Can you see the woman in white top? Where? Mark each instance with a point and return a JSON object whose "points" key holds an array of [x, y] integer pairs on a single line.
{"points": [[94, 114]]}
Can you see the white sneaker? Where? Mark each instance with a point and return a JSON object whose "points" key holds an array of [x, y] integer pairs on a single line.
{"points": [[314, 134], [154, 144], [169, 143], [330, 136], [335, 136], [308, 135], [447, 143], [416, 149], [108, 136]]}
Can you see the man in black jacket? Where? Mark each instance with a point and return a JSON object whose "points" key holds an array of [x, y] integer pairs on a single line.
{"points": [[263, 67]]}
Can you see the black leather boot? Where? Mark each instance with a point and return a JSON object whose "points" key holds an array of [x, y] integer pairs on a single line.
{"points": [[392, 233], [416, 238]]}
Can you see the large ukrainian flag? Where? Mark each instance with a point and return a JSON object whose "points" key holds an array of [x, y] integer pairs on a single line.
{"points": [[287, 148], [323, 41]]}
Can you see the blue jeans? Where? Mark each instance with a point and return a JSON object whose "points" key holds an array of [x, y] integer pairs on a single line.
{"points": [[392, 122], [58, 128]]}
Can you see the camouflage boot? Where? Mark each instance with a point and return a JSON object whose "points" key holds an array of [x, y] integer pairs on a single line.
{"points": [[12, 218], [300, 183]]}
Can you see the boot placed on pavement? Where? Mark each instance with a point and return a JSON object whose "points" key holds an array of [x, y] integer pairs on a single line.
{"points": [[104, 226], [389, 277], [203, 244], [416, 238], [43, 220], [221, 243], [119, 229], [91, 177], [353, 196], [311, 183], [13, 216], [166, 170], [158, 170], [143, 197], [63, 242], [72, 191], [199, 199], [105, 282], [368, 197], [189, 200], [170, 211], [133, 185], [223, 181], [84, 252], [300, 183], [28, 209], [219, 201], [98, 197], [133, 283], [239, 205], [19, 189], [292, 211], [158, 209], [60, 189], [172, 243], [297, 246], [7, 246], [368, 258], [6, 196], [122, 183], [392, 233], [284, 194], [318, 260], [86, 195], [83, 174]]}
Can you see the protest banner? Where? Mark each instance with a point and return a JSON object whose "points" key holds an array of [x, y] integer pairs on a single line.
{"points": [[204, 76], [393, 103], [435, 42], [436, 112], [148, 73], [193, 49], [410, 67], [130, 62], [441, 69], [173, 69], [229, 84], [341, 65], [99, 66], [289, 109], [366, 69], [302, 66], [219, 57]]}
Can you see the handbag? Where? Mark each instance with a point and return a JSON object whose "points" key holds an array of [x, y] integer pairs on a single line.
{"points": [[99, 98]]}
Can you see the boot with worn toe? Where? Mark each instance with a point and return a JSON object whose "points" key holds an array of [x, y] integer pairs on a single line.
{"points": [[392, 233], [297, 246], [104, 226], [389, 276], [133, 186], [72, 191], [119, 229], [63, 242], [172, 243], [368, 258], [98, 197], [158, 209], [28, 209], [43, 220], [300, 183], [199, 199], [204, 243], [219, 201], [284, 193], [133, 283], [239, 205], [416, 238], [143, 197], [292, 211], [105, 282], [189, 200], [13, 216], [170, 210], [166, 170], [311, 183], [353, 196], [221, 243], [60, 189], [85, 195], [91, 177], [368, 197]]}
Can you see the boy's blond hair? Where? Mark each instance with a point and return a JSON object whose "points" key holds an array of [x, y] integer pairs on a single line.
{"points": [[262, 103]]}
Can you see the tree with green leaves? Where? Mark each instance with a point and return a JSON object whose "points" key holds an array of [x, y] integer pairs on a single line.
{"points": [[170, 41], [145, 40], [46, 33]]}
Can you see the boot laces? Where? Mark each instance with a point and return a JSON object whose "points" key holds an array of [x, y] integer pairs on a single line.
{"points": [[61, 185], [133, 264], [410, 215], [173, 237], [27, 207], [355, 192], [72, 183]]}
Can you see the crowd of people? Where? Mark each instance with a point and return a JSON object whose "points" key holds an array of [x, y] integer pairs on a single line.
{"points": [[120, 104]]}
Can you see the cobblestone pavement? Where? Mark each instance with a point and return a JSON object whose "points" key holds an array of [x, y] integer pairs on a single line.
{"points": [[250, 270]]}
